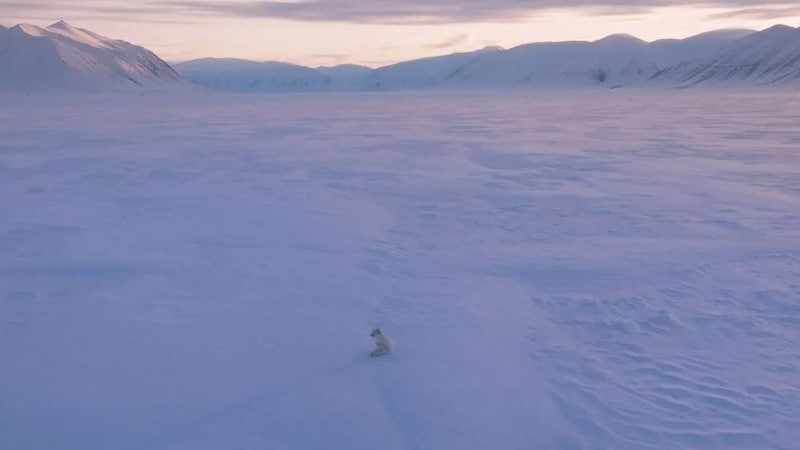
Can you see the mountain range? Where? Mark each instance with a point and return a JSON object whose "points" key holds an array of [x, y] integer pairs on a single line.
{"points": [[64, 57], [713, 59]]}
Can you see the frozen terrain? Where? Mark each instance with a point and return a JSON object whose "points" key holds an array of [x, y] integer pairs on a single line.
{"points": [[767, 58], [717, 59], [64, 58], [238, 75], [575, 271]]}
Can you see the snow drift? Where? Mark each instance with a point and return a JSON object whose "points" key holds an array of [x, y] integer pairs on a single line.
{"points": [[203, 274]]}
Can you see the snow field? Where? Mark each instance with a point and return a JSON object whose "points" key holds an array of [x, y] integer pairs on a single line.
{"points": [[565, 271]]}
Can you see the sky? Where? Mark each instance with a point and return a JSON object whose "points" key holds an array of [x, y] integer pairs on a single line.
{"points": [[379, 32]]}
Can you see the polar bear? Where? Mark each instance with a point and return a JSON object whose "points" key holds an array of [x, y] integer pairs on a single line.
{"points": [[383, 344]]}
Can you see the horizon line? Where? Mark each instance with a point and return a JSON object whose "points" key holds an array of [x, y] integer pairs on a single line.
{"points": [[172, 61]]}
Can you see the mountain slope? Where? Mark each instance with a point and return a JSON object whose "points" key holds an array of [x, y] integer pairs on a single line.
{"points": [[345, 77], [768, 57], [421, 73], [614, 60], [617, 60], [62, 57], [239, 75], [669, 52], [345, 70]]}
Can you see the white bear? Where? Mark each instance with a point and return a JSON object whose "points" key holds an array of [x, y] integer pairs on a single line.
{"points": [[383, 344]]}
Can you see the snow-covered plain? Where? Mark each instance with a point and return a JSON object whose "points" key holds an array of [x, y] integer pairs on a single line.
{"points": [[614, 270]]}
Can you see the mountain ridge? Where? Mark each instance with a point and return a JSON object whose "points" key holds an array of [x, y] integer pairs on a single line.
{"points": [[618, 60], [63, 57], [767, 57]]}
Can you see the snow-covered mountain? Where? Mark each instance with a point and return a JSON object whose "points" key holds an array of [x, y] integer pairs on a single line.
{"points": [[669, 52], [769, 57], [239, 75], [614, 61], [249, 76], [345, 70], [62, 57], [421, 73]]}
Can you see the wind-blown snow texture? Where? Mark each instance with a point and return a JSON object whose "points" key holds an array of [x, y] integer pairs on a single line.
{"points": [[557, 272]]}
